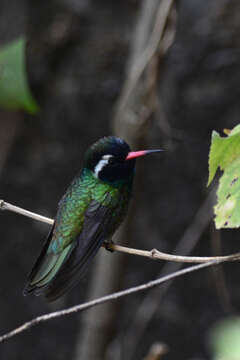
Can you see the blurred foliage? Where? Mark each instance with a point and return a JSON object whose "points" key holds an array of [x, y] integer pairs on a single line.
{"points": [[14, 90], [225, 154], [225, 339]]}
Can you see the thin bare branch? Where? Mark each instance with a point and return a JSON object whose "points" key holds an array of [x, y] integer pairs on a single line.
{"points": [[151, 254], [107, 298], [159, 255], [6, 206]]}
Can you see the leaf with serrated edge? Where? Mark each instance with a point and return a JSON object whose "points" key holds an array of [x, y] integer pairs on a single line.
{"points": [[235, 130], [223, 151]]}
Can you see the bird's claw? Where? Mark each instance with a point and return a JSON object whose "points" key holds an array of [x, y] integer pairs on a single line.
{"points": [[108, 245]]}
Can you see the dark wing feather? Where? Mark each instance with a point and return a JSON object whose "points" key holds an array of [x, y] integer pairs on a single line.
{"points": [[96, 226]]}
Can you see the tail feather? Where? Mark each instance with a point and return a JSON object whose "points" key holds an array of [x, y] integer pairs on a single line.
{"points": [[45, 268], [72, 270]]}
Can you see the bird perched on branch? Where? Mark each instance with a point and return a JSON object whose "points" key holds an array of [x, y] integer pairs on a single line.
{"points": [[88, 214]]}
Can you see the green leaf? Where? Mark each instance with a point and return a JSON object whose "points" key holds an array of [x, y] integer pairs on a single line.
{"points": [[225, 339], [14, 90], [223, 151], [225, 154], [227, 210]]}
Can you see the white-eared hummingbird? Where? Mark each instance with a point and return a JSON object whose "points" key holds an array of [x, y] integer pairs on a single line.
{"points": [[88, 214]]}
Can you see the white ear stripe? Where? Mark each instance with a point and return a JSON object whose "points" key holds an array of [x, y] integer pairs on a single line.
{"points": [[100, 165]]}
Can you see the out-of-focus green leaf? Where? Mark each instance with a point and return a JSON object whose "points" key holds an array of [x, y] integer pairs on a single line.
{"points": [[225, 154], [225, 339], [14, 90]]}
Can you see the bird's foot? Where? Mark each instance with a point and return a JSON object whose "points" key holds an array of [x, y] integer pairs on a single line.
{"points": [[108, 245]]}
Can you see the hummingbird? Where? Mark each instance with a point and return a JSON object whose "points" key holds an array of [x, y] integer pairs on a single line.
{"points": [[88, 214]]}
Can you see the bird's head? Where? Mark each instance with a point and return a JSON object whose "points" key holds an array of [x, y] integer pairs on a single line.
{"points": [[110, 159]]}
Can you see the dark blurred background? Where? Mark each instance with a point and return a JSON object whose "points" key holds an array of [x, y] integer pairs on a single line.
{"points": [[80, 57]]}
